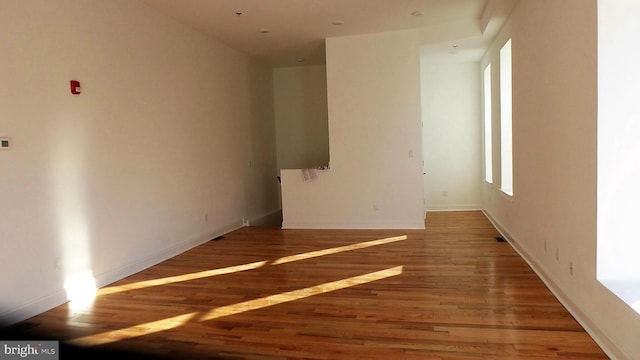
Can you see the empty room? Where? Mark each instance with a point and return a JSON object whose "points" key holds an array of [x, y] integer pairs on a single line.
{"points": [[319, 179]]}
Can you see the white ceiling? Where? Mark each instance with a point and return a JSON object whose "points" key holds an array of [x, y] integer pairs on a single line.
{"points": [[297, 28]]}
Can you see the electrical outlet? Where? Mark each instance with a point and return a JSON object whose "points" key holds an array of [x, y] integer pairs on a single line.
{"points": [[571, 268]]}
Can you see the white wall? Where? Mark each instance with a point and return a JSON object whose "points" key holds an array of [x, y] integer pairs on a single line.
{"points": [[551, 218], [151, 159], [452, 135], [300, 100], [375, 180]]}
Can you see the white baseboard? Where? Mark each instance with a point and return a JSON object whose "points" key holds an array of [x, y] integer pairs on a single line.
{"points": [[598, 335], [47, 302], [439, 208], [32, 308], [159, 256], [353, 226]]}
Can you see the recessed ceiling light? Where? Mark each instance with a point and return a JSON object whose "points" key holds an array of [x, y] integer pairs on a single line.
{"points": [[417, 13], [265, 30], [337, 22]]}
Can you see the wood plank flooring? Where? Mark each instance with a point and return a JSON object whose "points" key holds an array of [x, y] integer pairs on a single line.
{"points": [[448, 292]]}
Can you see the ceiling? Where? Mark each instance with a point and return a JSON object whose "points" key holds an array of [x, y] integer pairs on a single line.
{"points": [[292, 32]]}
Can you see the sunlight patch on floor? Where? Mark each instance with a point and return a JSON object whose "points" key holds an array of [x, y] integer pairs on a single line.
{"points": [[300, 294], [179, 278], [244, 267], [133, 331], [176, 321], [339, 249]]}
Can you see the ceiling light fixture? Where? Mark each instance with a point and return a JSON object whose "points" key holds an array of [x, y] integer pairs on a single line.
{"points": [[417, 13], [337, 22], [300, 59], [265, 30]]}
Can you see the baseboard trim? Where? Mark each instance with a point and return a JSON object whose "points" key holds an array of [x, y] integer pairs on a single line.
{"points": [[453, 208], [32, 308], [59, 297], [598, 335], [353, 226]]}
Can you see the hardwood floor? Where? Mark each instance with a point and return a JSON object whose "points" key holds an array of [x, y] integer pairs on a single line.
{"points": [[448, 292]]}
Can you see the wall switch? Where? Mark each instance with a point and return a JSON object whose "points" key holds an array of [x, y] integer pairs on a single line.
{"points": [[4, 143]]}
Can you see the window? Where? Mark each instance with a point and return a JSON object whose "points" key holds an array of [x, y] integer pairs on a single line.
{"points": [[506, 155], [488, 154], [618, 247]]}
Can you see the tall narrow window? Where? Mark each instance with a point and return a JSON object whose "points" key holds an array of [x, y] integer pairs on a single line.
{"points": [[506, 155], [488, 154], [618, 149]]}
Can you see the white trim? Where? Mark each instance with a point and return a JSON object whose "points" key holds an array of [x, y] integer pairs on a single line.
{"points": [[354, 226], [59, 297], [439, 208], [33, 308], [627, 290], [116, 274], [506, 195], [599, 336]]}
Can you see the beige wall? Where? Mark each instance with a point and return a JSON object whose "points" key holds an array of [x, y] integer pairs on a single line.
{"points": [[375, 180], [302, 133], [551, 218], [451, 135], [170, 143]]}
